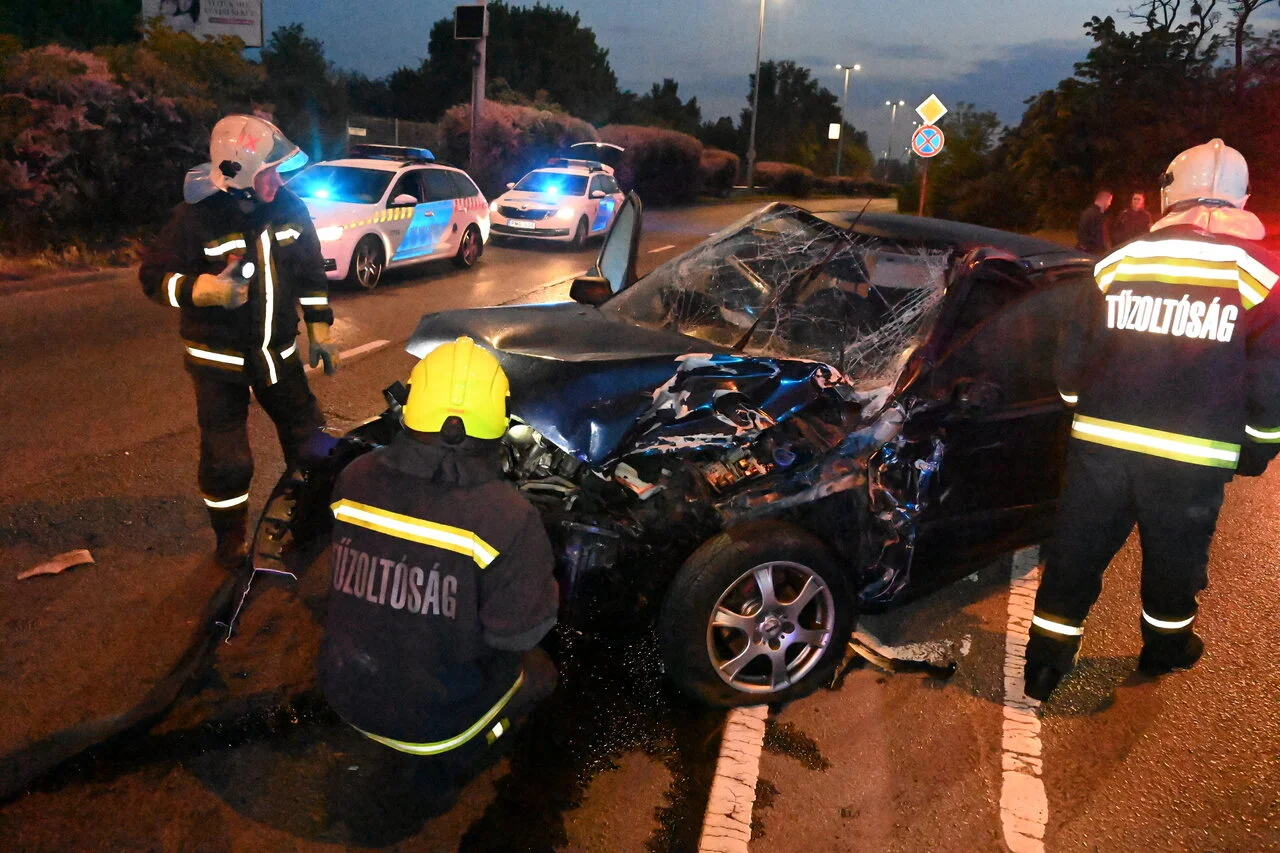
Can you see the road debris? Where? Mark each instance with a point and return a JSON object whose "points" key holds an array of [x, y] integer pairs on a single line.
{"points": [[58, 564]]}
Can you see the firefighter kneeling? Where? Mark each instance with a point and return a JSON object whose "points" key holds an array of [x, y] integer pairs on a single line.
{"points": [[442, 577], [1174, 368]]}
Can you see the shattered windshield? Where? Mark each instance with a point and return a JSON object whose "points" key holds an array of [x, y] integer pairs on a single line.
{"points": [[782, 283]]}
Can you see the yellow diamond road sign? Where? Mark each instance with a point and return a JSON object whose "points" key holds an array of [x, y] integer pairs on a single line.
{"points": [[931, 110]]}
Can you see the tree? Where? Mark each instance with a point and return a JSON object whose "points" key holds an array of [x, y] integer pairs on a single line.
{"points": [[308, 102], [722, 134], [1241, 11], [537, 48], [795, 112], [662, 107], [74, 23], [971, 137]]}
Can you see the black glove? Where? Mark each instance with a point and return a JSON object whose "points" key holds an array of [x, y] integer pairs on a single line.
{"points": [[1254, 458]]}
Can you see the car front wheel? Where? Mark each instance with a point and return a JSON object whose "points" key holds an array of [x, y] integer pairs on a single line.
{"points": [[367, 263], [579, 241], [758, 614]]}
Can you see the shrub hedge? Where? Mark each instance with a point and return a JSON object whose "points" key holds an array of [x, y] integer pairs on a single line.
{"points": [[785, 178], [662, 166], [717, 171]]}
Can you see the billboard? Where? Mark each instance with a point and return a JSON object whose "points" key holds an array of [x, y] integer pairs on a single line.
{"points": [[241, 18]]}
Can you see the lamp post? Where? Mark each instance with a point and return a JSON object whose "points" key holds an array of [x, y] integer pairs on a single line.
{"points": [[844, 103], [893, 117], [755, 105]]}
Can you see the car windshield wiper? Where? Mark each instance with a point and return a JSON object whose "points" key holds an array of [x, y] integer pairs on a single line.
{"points": [[803, 276]]}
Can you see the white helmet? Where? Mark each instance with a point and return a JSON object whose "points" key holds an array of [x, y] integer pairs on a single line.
{"points": [[241, 147], [1212, 173]]}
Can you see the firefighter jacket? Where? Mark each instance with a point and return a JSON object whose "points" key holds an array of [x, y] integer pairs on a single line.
{"points": [[1176, 353], [442, 579], [249, 343]]}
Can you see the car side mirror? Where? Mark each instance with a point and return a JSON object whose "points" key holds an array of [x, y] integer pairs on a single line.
{"points": [[511, 185], [402, 200], [598, 193], [590, 290]]}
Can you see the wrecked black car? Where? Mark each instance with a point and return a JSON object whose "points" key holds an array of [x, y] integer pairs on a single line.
{"points": [[803, 416]]}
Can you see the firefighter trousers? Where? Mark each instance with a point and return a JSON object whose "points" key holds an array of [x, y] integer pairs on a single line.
{"points": [[1107, 491], [226, 461]]}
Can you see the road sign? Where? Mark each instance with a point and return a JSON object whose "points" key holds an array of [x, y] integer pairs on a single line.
{"points": [[833, 130], [357, 131], [931, 110], [927, 141]]}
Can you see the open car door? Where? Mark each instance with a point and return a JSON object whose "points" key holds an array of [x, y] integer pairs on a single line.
{"points": [[615, 268]]}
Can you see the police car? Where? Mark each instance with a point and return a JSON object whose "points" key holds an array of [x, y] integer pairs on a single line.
{"points": [[568, 200], [389, 206]]}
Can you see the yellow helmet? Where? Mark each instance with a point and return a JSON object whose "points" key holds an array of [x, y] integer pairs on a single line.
{"points": [[459, 380]]}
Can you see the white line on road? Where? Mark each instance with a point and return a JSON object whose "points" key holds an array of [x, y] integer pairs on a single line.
{"points": [[661, 249], [371, 346], [1024, 808], [726, 827]]}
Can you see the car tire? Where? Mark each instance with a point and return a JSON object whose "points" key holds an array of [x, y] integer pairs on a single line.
{"points": [[368, 262], [579, 241], [719, 586], [470, 247]]}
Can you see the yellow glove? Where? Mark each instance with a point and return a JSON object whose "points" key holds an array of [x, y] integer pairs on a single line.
{"points": [[318, 348], [227, 289]]}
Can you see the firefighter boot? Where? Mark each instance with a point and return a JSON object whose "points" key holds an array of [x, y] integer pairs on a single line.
{"points": [[1162, 654], [230, 552], [1048, 662]]}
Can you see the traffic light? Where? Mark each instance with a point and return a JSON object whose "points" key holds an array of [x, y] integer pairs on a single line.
{"points": [[470, 22]]}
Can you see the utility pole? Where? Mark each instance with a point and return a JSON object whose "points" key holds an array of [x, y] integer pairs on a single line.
{"points": [[844, 102], [755, 105], [477, 92]]}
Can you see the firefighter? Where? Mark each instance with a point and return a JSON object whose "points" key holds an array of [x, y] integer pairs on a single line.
{"points": [[234, 258], [1174, 371], [442, 577]]}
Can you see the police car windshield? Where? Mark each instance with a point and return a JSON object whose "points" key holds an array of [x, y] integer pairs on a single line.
{"points": [[553, 183], [341, 183]]}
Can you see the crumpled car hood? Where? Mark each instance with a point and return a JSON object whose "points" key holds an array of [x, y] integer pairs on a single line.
{"points": [[601, 389]]}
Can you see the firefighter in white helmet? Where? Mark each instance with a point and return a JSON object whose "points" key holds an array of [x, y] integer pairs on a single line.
{"points": [[236, 259], [1173, 368]]}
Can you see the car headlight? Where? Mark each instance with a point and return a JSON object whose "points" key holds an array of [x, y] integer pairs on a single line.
{"points": [[565, 213], [330, 233], [493, 205]]}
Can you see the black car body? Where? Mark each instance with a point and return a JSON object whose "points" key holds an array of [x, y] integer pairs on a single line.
{"points": [[802, 415]]}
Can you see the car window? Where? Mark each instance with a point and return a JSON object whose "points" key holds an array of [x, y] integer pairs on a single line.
{"points": [[462, 185], [439, 186], [1013, 348], [341, 183], [553, 183], [597, 183], [610, 185], [407, 185], [989, 292]]}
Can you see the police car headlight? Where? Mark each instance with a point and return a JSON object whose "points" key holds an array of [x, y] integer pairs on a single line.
{"points": [[493, 205], [330, 233], [565, 213]]}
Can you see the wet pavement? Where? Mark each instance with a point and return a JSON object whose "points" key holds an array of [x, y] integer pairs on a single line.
{"points": [[249, 758]]}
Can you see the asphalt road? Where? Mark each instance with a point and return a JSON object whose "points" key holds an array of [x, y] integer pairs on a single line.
{"points": [[98, 445]]}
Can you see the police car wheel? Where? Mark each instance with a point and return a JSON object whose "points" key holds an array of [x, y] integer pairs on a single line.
{"points": [[469, 248], [579, 240], [760, 613], [367, 263]]}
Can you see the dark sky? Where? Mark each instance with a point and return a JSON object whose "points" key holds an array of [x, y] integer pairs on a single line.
{"points": [[994, 53]]}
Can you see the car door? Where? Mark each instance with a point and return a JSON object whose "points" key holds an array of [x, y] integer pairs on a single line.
{"points": [[449, 218], [416, 239], [599, 205], [616, 262]]}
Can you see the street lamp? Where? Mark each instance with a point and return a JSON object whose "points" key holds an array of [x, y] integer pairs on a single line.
{"points": [[844, 103], [893, 117], [755, 105]]}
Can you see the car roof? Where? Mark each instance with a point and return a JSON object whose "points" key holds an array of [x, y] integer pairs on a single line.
{"points": [[567, 170], [384, 165], [924, 229]]}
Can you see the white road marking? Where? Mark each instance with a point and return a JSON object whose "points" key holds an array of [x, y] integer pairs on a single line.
{"points": [[726, 827], [1024, 808], [661, 249], [371, 346]]}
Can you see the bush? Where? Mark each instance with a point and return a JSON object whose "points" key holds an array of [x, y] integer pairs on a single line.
{"points": [[662, 166], [717, 171], [513, 140], [785, 178]]}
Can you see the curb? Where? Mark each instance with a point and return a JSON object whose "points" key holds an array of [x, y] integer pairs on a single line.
{"points": [[58, 281]]}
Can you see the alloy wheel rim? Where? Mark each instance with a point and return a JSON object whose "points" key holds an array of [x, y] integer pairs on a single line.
{"points": [[770, 627], [469, 252], [367, 266]]}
